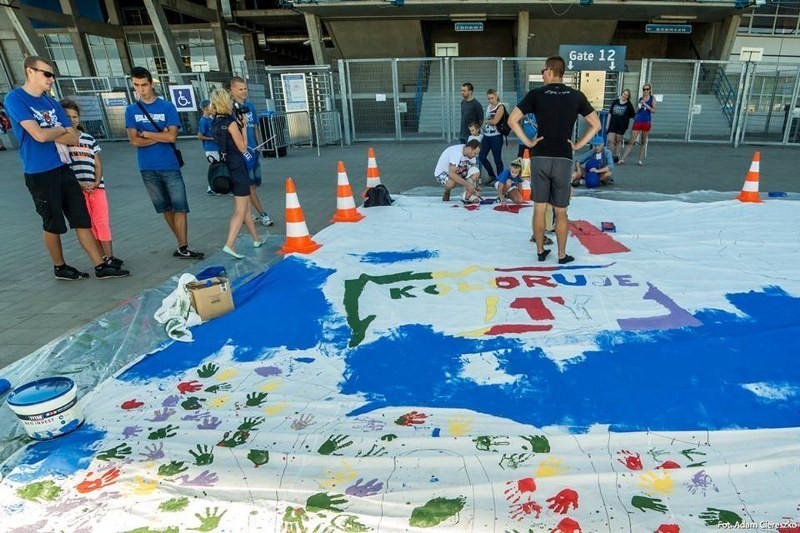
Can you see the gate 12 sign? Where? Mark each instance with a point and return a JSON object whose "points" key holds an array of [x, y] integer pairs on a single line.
{"points": [[584, 57], [183, 98]]}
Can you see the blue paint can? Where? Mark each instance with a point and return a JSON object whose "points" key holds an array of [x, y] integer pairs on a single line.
{"points": [[47, 408]]}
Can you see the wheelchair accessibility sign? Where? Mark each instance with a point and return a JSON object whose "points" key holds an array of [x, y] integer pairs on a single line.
{"points": [[183, 98]]}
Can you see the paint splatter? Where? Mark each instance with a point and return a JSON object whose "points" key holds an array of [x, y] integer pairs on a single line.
{"points": [[436, 511], [397, 257]]}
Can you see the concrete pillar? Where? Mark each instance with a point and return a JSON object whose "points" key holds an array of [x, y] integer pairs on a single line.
{"points": [[115, 18], [250, 45], [32, 44], [220, 35], [723, 42], [314, 28], [523, 30], [79, 41], [164, 35]]}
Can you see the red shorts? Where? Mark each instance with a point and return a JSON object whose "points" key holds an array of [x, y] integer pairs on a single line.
{"points": [[97, 204], [641, 126]]}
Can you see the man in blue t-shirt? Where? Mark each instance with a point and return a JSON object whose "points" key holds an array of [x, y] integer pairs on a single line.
{"points": [[152, 125], [245, 113], [43, 130]]}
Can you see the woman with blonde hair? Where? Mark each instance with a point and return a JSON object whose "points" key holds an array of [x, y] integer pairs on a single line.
{"points": [[232, 141], [641, 124], [494, 128]]}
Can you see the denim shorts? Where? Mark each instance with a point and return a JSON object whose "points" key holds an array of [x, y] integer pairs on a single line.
{"points": [[255, 174], [166, 189]]}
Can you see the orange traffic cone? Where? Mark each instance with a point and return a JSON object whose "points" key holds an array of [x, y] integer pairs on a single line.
{"points": [[750, 188], [373, 176], [345, 204], [526, 164], [525, 185], [297, 236]]}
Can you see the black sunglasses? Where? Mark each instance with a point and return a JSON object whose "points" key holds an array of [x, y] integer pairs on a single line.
{"points": [[645, 88], [47, 73]]}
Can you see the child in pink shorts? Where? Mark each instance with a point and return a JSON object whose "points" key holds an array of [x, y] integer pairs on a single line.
{"points": [[88, 170]]}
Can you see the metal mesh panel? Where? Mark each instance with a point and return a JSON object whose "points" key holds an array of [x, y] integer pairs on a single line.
{"points": [[371, 99], [714, 102], [671, 81], [421, 98], [770, 104]]}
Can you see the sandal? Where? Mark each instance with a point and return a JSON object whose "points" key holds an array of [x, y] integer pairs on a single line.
{"points": [[542, 256], [547, 240]]}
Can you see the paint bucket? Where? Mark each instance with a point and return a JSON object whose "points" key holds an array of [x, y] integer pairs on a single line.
{"points": [[47, 407]]}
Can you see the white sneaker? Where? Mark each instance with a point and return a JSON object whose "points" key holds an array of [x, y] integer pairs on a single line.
{"points": [[264, 219]]}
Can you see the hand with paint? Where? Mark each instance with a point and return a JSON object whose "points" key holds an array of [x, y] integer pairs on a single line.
{"points": [[209, 521], [163, 433], [161, 415], [256, 399], [258, 457], [550, 467], [334, 444], [519, 488], [561, 502], [567, 525], [251, 423], [90, 483], [668, 528], [189, 386], [207, 370], [131, 404], [374, 451], [206, 478], [142, 487], [209, 422], [131, 431], [657, 482], [203, 456], [370, 488], [193, 403], [714, 517], [458, 426], [323, 501], [514, 460], [238, 438], [412, 418], [294, 519], [213, 389], [632, 461], [299, 424], [520, 511], [349, 523], [645, 503], [488, 443], [171, 401], [154, 452], [117, 452], [172, 468], [538, 443]]}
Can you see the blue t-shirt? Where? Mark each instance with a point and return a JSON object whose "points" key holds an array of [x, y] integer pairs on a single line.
{"points": [[160, 156], [36, 156], [204, 129], [505, 175]]}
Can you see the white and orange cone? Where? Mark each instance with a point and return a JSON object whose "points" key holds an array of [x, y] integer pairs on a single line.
{"points": [[297, 237], [526, 164], [345, 204], [750, 188], [525, 185], [373, 175]]}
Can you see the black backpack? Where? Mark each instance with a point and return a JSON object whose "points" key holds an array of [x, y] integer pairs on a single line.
{"points": [[502, 126], [219, 177], [377, 195]]}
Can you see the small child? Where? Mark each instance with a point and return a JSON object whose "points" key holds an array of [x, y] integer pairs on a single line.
{"points": [[509, 183], [595, 166], [88, 171], [475, 132], [210, 146]]}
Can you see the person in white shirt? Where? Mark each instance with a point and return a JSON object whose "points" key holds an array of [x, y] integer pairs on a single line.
{"points": [[457, 166]]}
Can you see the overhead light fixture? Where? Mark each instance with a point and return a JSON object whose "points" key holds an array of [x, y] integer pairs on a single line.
{"points": [[677, 17], [468, 17], [587, 2]]}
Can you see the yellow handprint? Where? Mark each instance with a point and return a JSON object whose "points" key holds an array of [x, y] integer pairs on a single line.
{"points": [[657, 482], [272, 385], [458, 426], [218, 401], [550, 467], [338, 479], [142, 487], [275, 408], [227, 374]]}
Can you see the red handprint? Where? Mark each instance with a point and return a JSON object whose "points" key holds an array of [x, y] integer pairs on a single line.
{"points": [[560, 502], [521, 510], [411, 419], [667, 465], [189, 386], [131, 404], [107, 478], [668, 528], [518, 488], [568, 525], [632, 460]]}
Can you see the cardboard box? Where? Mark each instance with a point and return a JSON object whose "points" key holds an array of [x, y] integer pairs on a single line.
{"points": [[211, 297]]}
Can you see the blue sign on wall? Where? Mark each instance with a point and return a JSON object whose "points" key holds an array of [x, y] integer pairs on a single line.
{"points": [[668, 28], [585, 57], [469, 26]]}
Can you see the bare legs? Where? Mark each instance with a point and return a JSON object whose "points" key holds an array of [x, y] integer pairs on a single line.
{"points": [[177, 224], [240, 211]]}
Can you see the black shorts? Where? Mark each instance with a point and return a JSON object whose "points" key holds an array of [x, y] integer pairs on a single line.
{"points": [[551, 180], [240, 180], [57, 194]]}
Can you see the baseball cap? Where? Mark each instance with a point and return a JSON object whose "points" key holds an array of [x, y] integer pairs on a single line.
{"points": [[204, 103], [598, 140]]}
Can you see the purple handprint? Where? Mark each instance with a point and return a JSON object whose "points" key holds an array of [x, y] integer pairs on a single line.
{"points": [[371, 487], [131, 431], [206, 478], [161, 415], [195, 416], [209, 422], [267, 371], [66, 506], [303, 422], [38, 526], [154, 452], [171, 400]]}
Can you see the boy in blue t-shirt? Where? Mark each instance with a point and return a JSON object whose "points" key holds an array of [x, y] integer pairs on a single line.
{"points": [[152, 125], [44, 131], [595, 166], [210, 146]]}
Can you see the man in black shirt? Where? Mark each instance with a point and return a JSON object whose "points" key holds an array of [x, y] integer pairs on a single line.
{"points": [[471, 111], [556, 107]]}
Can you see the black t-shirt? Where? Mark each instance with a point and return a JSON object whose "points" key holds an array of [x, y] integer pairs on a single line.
{"points": [[556, 107], [621, 115]]}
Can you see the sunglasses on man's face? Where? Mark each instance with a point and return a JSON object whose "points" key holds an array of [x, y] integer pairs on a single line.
{"points": [[47, 73], [645, 88]]}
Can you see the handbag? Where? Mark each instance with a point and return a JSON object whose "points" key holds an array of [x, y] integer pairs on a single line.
{"points": [[502, 126], [219, 177], [178, 154]]}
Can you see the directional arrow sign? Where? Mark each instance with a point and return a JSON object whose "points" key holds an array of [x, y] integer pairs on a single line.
{"points": [[584, 57]]}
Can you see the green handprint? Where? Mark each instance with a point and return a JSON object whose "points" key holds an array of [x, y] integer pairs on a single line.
{"points": [[210, 521], [713, 517], [250, 424], [436, 511], [375, 451], [657, 454], [349, 523], [213, 389], [192, 403], [539, 443], [258, 457], [174, 505], [207, 370], [256, 399], [293, 519], [146, 529], [645, 502], [44, 490], [334, 444], [689, 452], [117, 452], [172, 468], [203, 457], [389, 437], [238, 438], [514, 461], [163, 433], [322, 501], [485, 443]]}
